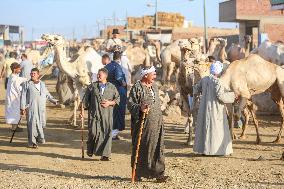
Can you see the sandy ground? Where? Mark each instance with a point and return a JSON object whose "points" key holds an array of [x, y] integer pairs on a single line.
{"points": [[58, 163]]}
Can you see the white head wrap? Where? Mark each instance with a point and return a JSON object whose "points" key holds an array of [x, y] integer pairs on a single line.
{"points": [[147, 71], [216, 68]]}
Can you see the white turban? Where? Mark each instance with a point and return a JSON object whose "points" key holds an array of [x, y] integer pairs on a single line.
{"points": [[147, 71], [216, 68]]}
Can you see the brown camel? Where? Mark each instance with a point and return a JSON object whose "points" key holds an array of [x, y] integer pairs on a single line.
{"points": [[236, 52], [263, 76]]}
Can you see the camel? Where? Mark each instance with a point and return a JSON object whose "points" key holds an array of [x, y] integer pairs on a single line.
{"points": [[236, 52], [36, 58], [146, 54], [189, 72], [222, 55], [263, 76], [77, 69], [171, 56], [272, 52]]}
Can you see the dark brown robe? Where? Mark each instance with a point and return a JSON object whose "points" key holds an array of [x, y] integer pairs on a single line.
{"points": [[151, 161]]}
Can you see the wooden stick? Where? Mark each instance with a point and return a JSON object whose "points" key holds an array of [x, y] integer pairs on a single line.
{"points": [[138, 146], [15, 130], [82, 130], [232, 122]]}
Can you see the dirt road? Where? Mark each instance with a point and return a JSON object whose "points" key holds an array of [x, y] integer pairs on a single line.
{"points": [[58, 163]]}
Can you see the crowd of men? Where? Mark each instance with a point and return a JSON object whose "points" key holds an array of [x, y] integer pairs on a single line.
{"points": [[106, 101]]}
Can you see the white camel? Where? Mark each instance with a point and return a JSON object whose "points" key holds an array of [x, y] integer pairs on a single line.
{"points": [[79, 69], [272, 52]]}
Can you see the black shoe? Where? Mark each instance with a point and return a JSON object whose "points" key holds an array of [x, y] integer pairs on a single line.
{"points": [[116, 138], [162, 178], [35, 146], [104, 158]]}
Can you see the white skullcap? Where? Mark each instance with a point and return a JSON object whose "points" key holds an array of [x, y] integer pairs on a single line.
{"points": [[216, 68], [147, 71]]}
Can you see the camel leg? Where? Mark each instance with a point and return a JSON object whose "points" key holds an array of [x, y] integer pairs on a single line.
{"points": [[281, 108], [74, 116], [241, 107], [258, 140], [165, 71], [190, 130], [170, 71], [246, 114]]}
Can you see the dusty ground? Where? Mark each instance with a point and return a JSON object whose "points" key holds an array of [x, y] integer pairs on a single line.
{"points": [[58, 163]]}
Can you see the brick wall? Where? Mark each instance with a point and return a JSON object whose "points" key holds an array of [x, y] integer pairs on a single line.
{"points": [[275, 31], [256, 8]]}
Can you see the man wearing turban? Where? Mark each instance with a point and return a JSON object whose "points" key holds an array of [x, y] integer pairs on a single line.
{"points": [[212, 134], [144, 97]]}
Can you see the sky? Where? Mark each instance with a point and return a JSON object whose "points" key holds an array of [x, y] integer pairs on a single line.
{"points": [[79, 18]]}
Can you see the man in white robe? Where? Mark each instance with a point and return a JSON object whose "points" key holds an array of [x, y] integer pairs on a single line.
{"points": [[212, 134], [13, 94]]}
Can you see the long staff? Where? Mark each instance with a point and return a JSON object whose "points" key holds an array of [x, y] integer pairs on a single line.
{"points": [[14, 131], [82, 130], [138, 146]]}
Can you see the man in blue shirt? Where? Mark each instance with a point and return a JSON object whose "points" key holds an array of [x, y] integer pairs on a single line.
{"points": [[117, 78], [26, 67]]}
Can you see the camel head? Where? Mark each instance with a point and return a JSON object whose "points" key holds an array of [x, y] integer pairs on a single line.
{"points": [[53, 40], [247, 39], [223, 42]]}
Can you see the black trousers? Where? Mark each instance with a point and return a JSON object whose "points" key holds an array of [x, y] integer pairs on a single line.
{"points": [[6, 82]]}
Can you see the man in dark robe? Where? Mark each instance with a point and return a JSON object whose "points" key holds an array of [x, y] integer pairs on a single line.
{"points": [[100, 98], [117, 78], [144, 97]]}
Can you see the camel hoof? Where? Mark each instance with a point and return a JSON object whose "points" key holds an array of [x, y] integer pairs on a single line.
{"points": [[258, 141], [62, 106], [190, 143], [277, 141], [242, 137]]}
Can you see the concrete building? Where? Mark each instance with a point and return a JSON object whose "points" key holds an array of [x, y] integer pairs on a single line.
{"points": [[6, 30], [255, 17]]}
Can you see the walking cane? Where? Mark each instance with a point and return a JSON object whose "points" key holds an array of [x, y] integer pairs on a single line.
{"points": [[82, 130], [232, 122], [138, 145], [15, 130]]}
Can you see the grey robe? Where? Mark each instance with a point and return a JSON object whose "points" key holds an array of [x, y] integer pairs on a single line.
{"points": [[151, 161], [100, 120], [34, 101], [212, 134]]}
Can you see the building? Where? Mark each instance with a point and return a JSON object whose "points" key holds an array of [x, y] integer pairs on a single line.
{"points": [[5, 34], [258, 18]]}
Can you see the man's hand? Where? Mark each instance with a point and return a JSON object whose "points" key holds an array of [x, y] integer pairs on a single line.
{"points": [[237, 97], [124, 84], [23, 112], [144, 108], [106, 103]]}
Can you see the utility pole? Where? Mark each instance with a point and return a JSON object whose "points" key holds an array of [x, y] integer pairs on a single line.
{"points": [[73, 33], [32, 34], [98, 25], [114, 19], [126, 27], [205, 26], [156, 15]]}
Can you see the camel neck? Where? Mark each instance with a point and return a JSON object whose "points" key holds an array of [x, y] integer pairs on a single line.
{"points": [[62, 62]]}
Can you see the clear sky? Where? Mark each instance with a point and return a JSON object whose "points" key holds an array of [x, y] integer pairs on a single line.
{"points": [[81, 16]]}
